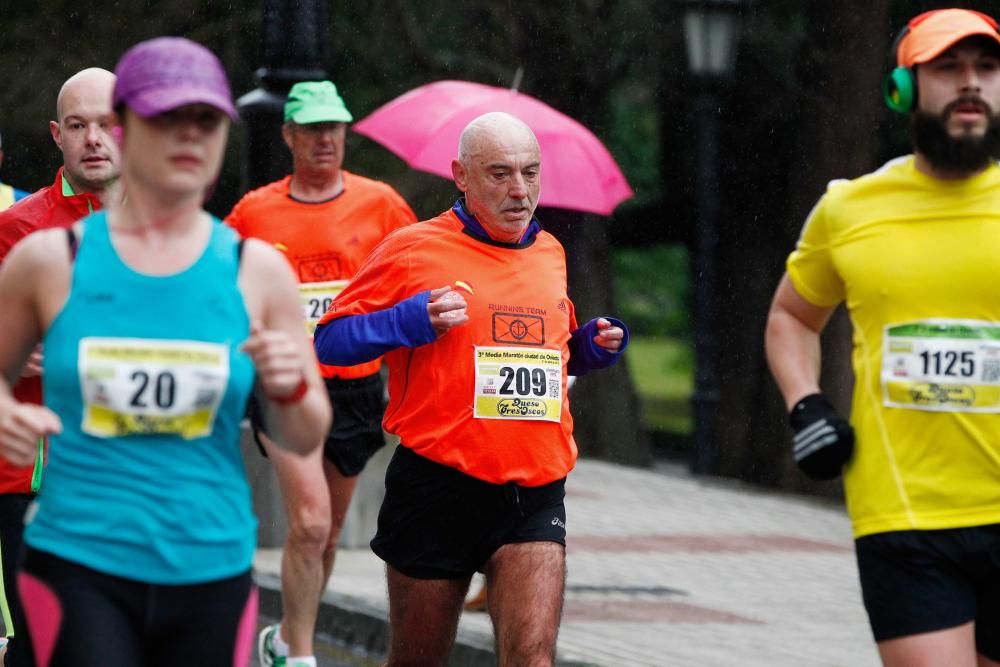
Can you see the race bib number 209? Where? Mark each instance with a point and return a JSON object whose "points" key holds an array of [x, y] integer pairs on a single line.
{"points": [[518, 383], [942, 365]]}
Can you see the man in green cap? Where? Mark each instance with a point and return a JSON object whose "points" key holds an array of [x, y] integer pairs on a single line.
{"points": [[326, 220]]}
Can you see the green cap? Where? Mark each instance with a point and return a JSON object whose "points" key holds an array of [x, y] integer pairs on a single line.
{"points": [[315, 102]]}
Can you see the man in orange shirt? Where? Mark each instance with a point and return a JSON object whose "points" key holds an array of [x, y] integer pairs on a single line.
{"points": [[471, 311], [325, 220]]}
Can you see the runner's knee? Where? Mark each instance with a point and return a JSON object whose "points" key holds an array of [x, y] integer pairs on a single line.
{"points": [[309, 526]]}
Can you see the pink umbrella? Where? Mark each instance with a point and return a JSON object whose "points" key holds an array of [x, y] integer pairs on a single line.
{"points": [[423, 125]]}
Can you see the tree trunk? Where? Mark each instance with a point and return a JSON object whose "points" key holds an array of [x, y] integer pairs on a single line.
{"points": [[604, 403], [835, 137]]}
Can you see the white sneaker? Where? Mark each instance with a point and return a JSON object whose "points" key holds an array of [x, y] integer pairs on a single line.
{"points": [[265, 648]]}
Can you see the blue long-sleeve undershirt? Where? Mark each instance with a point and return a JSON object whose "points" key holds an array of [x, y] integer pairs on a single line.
{"points": [[356, 339]]}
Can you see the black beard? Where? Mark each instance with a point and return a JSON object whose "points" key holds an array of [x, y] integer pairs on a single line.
{"points": [[954, 154]]}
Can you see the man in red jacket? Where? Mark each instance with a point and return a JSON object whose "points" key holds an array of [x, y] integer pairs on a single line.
{"points": [[88, 175]]}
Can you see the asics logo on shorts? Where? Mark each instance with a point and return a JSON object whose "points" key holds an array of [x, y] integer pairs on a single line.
{"points": [[556, 521], [814, 437]]}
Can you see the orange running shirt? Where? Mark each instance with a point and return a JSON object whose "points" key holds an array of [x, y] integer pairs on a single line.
{"points": [[488, 397], [325, 242]]}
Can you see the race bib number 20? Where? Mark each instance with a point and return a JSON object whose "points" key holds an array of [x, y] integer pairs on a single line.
{"points": [[942, 365], [518, 383], [135, 386]]}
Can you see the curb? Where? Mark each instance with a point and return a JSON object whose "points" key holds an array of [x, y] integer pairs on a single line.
{"points": [[351, 632]]}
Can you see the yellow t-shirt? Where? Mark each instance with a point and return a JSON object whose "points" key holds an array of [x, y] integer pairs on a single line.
{"points": [[917, 261]]}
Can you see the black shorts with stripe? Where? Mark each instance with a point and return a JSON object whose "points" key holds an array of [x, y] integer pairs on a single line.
{"points": [[436, 522]]}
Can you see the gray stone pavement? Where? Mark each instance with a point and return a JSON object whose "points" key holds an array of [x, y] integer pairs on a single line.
{"points": [[669, 570]]}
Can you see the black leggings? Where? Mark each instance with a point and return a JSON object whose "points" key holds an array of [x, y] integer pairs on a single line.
{"points": [[84, 618], [12, 509]]}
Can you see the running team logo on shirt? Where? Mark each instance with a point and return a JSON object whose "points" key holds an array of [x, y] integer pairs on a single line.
{"points": [[518, 329], [320, 267], [138, 386]]}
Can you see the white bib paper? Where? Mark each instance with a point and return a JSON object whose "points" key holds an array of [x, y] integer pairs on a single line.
{"points": [[518, 383], [316, 300], [942, 365], [145, 386]]}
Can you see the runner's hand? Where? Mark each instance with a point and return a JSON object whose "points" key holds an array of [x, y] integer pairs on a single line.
{"points": [[608, 337], [446, 309], [21, 426], [277, 360], [824, 441], [33, 367]]}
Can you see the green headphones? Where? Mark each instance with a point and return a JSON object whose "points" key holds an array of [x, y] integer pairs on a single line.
{"points": [[899, 89]]}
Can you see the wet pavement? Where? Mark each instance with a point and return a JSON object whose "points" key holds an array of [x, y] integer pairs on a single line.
{"points": [[664, 569]]}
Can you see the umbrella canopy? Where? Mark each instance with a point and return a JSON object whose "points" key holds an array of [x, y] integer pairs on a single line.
{"points": [[422, 127]]}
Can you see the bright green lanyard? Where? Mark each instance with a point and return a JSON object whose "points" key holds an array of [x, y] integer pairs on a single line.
{"points": [[36, 474]]}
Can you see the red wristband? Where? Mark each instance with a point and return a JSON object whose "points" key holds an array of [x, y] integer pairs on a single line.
{"points": [[300, 392]]}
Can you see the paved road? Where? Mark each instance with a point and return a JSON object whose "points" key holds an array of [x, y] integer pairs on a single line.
{"points": [[669, 570]]}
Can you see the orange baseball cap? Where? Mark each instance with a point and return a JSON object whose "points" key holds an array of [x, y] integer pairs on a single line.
{"points": [[930, 34]]}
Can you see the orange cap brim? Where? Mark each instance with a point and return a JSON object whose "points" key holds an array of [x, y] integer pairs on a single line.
{"points": [[930, 36]]}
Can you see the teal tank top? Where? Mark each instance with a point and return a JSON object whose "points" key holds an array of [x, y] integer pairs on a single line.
{"points": [[146, 480]]}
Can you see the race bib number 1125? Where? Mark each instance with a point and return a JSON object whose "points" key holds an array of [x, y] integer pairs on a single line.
{"points": [[942, 365]]}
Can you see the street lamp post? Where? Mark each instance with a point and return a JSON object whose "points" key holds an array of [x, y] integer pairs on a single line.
{"points": [[711, 32], [294, 50]]}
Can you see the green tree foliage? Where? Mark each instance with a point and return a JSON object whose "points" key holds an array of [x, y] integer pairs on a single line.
{"points": [[653, 288]]}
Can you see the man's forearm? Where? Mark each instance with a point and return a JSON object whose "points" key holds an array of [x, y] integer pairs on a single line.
{"points": [[793, 355]]}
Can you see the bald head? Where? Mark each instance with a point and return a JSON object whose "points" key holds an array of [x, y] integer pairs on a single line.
{"points": [[499, 171], [93, 83], [82, 131], [484, 132]]}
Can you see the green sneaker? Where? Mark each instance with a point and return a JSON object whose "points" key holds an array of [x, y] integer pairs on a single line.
{"points": [[265, 648]]}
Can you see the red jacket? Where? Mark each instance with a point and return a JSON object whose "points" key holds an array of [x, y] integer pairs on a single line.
{"points": [[42, 210]]}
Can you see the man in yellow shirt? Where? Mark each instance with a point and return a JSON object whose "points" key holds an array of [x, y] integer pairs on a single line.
{"points": [[913, 250]]}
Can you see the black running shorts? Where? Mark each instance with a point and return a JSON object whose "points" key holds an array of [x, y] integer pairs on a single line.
{"points": [[916, 581], [439, 523], [356, 434]]}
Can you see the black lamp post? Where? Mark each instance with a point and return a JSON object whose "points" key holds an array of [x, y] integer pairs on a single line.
{"points": [[294, 50], [711, 30]]}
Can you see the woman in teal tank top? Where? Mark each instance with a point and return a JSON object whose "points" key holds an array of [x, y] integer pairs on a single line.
{"points": [[155, 321]]}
